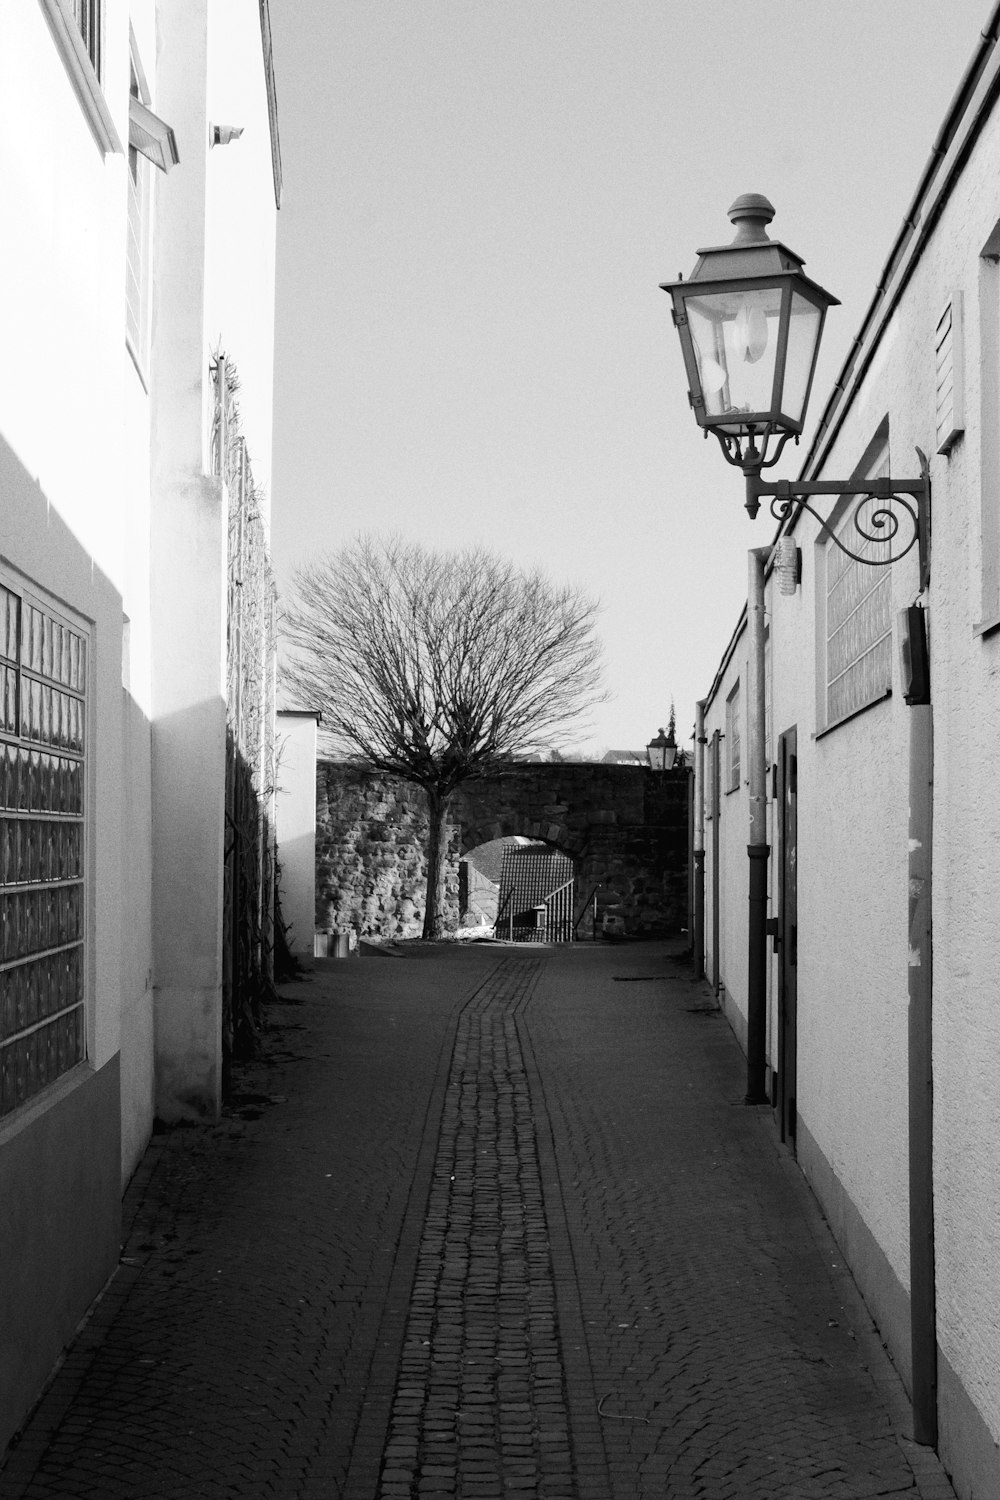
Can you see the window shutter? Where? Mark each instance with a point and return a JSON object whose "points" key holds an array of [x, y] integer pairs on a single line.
{"points": [[949, 359]]}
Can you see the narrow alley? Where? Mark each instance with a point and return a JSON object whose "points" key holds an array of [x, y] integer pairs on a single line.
{"points": [[482, 1222]]}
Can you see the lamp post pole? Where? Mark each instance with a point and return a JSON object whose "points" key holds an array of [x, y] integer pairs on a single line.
{"points": [[698, 939], [757, 848]]}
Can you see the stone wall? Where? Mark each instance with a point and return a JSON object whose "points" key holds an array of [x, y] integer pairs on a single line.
{"points": [[371, 873], [624, 827]]}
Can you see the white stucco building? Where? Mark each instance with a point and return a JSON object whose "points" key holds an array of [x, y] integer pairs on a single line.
{"points": [[844, 751], [139, 246]]}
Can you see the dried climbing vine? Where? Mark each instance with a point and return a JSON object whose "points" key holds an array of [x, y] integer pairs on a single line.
{"points": [[249, 889]]}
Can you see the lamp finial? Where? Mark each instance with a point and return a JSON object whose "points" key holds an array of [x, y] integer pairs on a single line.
{"points": [[751, 213]]}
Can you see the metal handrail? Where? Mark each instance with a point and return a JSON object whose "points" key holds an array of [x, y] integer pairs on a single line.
{"points": [[583, 909], [563, 903], [506, 902]]}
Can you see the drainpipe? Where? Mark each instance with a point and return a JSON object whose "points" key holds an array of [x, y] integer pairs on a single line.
{"points": [[698, 842], [716, 881], [923, 1313], [757, 848]]}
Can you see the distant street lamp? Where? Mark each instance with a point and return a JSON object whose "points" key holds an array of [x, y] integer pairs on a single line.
{"points": [[662, 752]]}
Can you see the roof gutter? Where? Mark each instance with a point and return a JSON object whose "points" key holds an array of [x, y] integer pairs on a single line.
{"points": [[904, 253]]}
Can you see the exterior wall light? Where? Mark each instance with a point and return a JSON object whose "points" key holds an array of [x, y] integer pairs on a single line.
{"points": [[787, 559], [224, 135], [750, 323]]}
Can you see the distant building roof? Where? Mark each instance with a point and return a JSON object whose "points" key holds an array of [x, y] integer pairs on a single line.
{"points": [[487, 858], [624, 758], [530, 874]]}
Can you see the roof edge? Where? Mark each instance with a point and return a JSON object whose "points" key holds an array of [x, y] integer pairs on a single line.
{"points": [[934, 186], [272, 98]]}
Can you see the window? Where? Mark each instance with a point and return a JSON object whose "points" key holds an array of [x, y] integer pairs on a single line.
{"points": [[149, 140], [137, 239], [43, 667], [77, 28], [87, 15], [858, 619], [733, 740]]}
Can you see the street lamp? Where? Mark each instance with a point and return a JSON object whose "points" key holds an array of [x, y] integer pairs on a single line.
{"points": [[662, 752], [750, 323]]}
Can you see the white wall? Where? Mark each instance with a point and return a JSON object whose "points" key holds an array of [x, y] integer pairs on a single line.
{"points": [[213, 288], [966, 687], [296, 826], [75, 418], [852, 861]]}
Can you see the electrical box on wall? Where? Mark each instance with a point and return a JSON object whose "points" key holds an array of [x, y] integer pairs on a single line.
{"points": [[914, 660]]}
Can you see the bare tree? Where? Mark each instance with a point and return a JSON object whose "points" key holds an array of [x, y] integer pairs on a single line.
{"points": [[435, 666]]}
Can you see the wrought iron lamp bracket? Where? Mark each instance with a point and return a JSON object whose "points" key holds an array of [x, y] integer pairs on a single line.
{"points": [[879, 526], [753, 449]]}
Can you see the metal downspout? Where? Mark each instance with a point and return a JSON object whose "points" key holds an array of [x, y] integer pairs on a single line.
{"points": [[698, 936], [757, 849], [923, 1311], [716, 882]]}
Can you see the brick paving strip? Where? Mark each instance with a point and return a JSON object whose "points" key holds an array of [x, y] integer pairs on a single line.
{"points": [[481, 1405]]}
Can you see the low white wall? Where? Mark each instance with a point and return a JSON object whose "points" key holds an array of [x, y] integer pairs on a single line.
{"points": [[295, 812]]}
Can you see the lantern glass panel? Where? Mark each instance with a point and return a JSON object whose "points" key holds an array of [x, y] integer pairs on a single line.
{"points": [[735, 337], [803, 340]]}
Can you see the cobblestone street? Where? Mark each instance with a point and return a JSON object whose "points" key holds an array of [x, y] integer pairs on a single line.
{"points": [[482, 1222]]}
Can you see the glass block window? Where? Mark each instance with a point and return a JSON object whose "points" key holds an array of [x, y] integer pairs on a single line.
{"points": [[858, 624], [43, 662]]}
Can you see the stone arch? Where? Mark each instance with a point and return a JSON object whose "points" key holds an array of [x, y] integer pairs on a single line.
{"points": [[624, 829], [510, 825]]}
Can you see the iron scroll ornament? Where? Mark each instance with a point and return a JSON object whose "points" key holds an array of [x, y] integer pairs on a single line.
{"points": [[879, 527], [884, 525]]}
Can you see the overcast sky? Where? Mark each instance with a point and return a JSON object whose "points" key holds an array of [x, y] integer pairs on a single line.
{"points": [[481, 197]]}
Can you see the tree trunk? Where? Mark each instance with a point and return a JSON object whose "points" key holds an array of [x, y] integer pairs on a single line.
{"points": [[437, 839]]}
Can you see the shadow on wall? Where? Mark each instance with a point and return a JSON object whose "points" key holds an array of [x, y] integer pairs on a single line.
{"points": [[62, 1160]]}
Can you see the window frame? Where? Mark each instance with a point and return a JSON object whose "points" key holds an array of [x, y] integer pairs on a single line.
{"points": [[137, 232], [151, 143], [734, 768], [84, 70]]}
